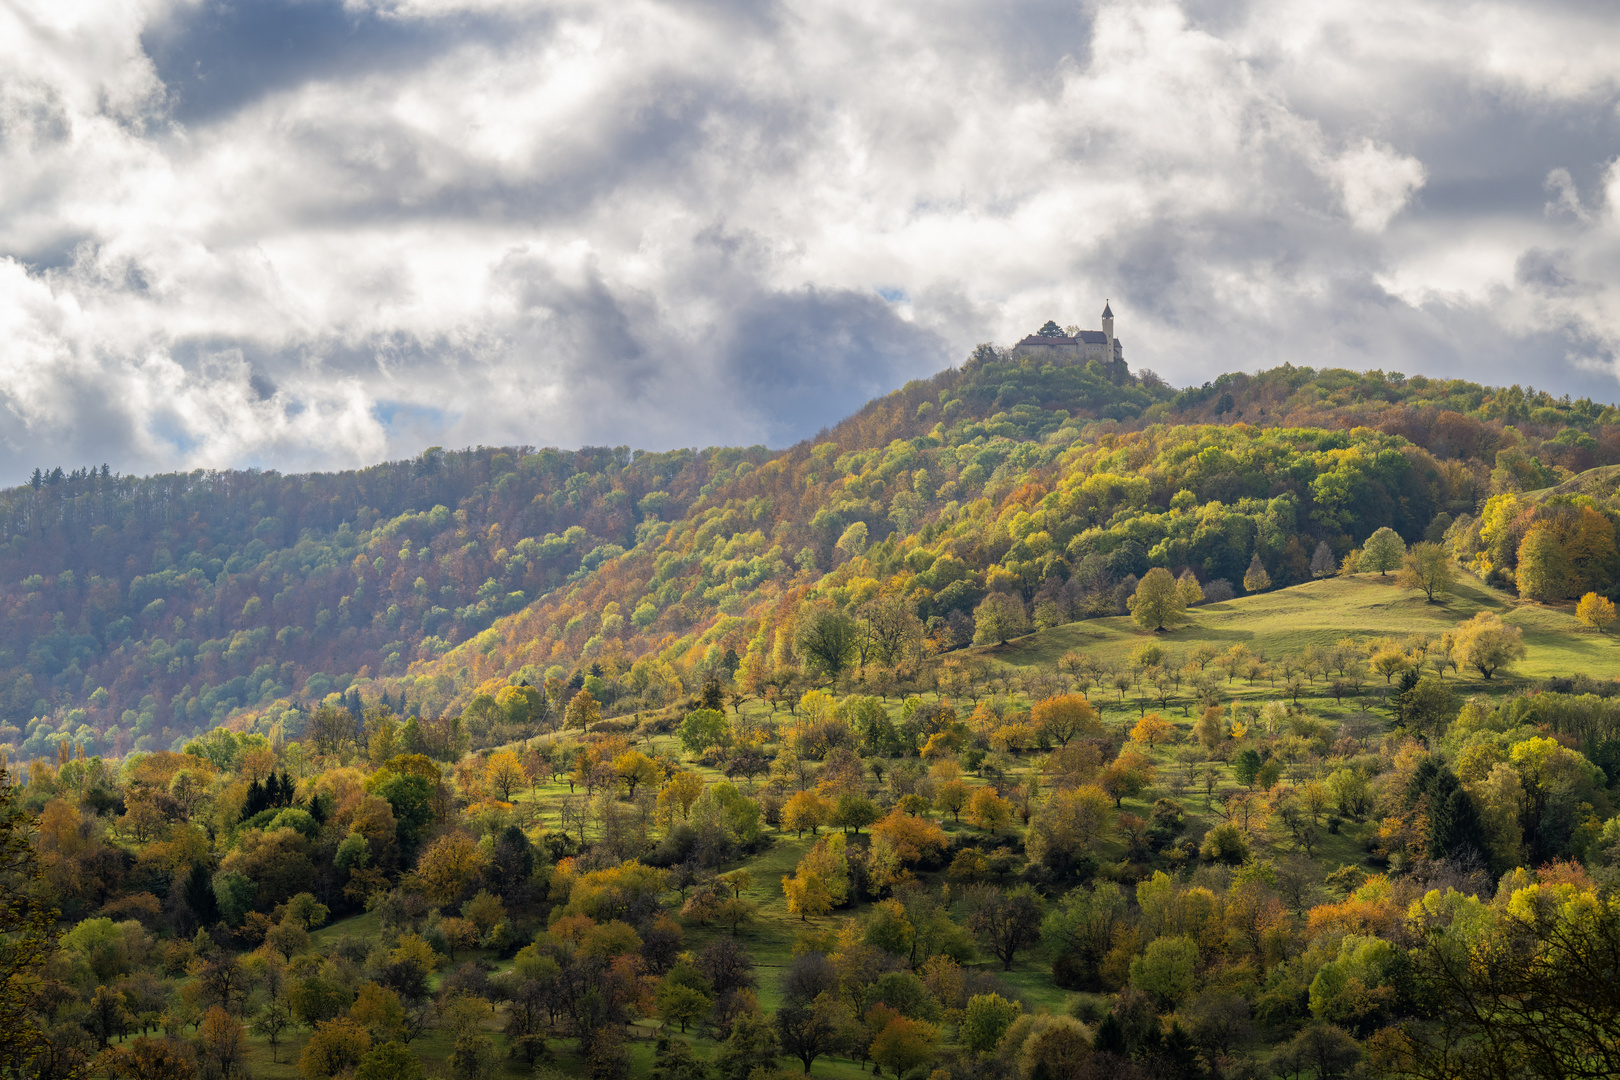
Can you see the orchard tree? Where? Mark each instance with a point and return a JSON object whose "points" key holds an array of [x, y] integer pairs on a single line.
{"points": [[1153, 729], [951, 797], [1188, 589], [904, 1044], [678, 1002], [1006, 922], [1595, 611], [1210, 728], [1390, 662], [504, 773], [1383, 551], [999, 617], [582, 711], [1157, 604], [704, 728], [989, 811], [1427, 567], [680, 793], [1487, 644], [805, 810], [1124, 779], [1067, 716], [807, 1031]]}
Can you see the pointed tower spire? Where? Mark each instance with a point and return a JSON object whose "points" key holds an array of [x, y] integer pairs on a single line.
{"points": [[1109, 344]]}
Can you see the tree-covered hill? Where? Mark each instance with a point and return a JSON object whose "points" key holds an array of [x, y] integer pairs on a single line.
{"points": [[519, 759], [138, 610], [141, 611], [1008, 479]]}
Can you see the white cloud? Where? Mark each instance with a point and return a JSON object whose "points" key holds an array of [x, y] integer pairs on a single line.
{"points": [[1376, 182], [388, 224]]}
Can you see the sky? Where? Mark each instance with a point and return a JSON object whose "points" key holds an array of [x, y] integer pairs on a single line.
{"points": [[315, 234]]}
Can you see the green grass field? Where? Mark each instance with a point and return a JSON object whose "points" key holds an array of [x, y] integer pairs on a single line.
{"points": [[1287, 621]]}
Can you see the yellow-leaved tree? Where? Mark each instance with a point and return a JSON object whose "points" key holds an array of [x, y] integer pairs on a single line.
{"points": [[821, 880], [582, 711], [1153, 729], [1487, 644], [448, 866], [1066, 716], [680, 793], [1595, 611], [1544, 572], [505, 774]]}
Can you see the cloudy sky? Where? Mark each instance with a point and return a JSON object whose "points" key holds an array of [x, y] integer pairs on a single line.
{"points": [[314, 233]]}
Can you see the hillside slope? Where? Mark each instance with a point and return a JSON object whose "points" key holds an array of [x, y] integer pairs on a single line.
{"points": [[1058, 513], [140, 611]]}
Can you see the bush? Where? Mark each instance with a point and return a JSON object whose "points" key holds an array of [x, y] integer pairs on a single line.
{"points": [[1225, 843]]}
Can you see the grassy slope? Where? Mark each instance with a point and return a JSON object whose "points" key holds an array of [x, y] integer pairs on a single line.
{"points": [[1321, 613], [1273, 624]]}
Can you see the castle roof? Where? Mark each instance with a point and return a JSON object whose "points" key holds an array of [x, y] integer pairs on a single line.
{"points": [[1085, 337], [1108, 312]]}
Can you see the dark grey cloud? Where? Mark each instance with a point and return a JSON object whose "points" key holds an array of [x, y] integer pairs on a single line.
{"points": [[218, 56], [308, 234], [805, 357]]}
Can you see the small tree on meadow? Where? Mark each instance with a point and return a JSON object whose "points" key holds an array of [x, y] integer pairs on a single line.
{"points": [[998, 617], [1487, 644], [1390, 662], [1210, 728], [953, 795], [1427, 567], [1157, 603], [504, 774], [1188, 589], [1153, 729], [989, 811], [1065, 716], [1323, 564], [1255, 578], [582, 711], [1383, 551], [1595, 611]]}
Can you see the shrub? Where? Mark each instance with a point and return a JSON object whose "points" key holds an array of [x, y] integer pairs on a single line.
{"points": [[1225, 843]]}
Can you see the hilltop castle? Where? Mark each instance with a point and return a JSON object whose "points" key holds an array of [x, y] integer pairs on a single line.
{"points": [[1086, 345]]}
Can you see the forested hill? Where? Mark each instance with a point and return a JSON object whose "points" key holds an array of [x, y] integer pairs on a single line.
{"points": [[141, 611]]}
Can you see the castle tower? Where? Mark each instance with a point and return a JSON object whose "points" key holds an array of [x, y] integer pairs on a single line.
{"points": [[1108, 333]]}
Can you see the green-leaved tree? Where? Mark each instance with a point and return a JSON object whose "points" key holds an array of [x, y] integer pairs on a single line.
{"points": [[1157, 604], [1383, 551], [1428, 567]]}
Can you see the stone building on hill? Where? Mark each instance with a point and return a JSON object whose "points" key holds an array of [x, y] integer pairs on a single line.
{"points": [[1082, 347]]}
